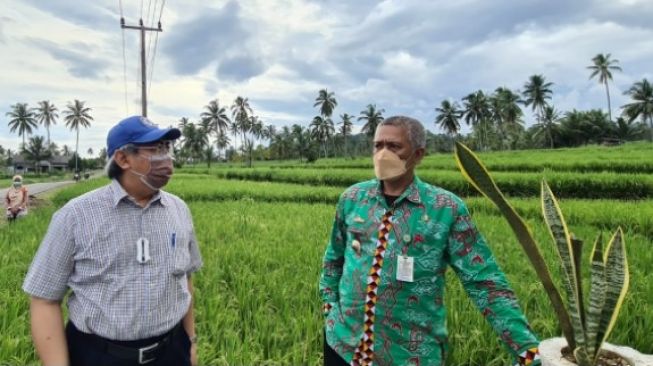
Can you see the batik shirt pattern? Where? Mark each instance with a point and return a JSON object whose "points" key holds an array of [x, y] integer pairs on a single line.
{"points": [[433, 226]]}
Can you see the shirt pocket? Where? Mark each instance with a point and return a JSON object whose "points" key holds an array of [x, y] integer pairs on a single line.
{"points": [[360, 239], [428, 246], [181, 253]]}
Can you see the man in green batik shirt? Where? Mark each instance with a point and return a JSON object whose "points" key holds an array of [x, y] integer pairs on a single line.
{"points": [[382, 280]]}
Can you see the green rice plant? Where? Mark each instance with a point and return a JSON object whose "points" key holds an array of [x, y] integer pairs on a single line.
{"points": [[630, 158], [256, 295], [567, 184], [585, 329]]}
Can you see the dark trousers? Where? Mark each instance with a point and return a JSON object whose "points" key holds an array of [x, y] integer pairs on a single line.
{"points": [[85, 350], [331, 357]]}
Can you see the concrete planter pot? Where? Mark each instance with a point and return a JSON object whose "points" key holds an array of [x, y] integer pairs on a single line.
{"points": [[551, 354]]}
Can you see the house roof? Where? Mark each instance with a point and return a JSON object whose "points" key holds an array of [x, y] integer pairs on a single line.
{"points": [[55, 160]]}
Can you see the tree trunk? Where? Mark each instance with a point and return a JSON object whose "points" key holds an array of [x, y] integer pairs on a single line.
{"points": [[77, 150], [607, 92]]}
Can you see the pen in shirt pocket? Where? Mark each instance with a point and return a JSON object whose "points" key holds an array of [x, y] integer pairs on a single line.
{"points": [[173, 239]]}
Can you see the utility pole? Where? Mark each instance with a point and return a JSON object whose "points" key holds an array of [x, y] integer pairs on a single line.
{"points": [[142, 28]]}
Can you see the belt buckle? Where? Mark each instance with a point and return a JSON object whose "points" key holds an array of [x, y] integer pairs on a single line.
{"points": [[142, 353]]}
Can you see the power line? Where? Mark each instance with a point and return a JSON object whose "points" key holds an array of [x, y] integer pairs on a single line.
{"points": [[149, 37], [124, 61], [156, 42]]}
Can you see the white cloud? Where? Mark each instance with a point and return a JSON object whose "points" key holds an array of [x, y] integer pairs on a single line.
{"points": [[404, 56]]}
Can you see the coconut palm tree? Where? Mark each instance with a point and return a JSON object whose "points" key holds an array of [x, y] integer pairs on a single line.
{"points": [[283, 142], [628, 130], [536, 93], [194, 141], [183, 122], [603, 67], [46, 115], [256, 128], [77, 115], [269, 132], [447, 118], [642, 105], [549, 124], [506, 112], [22, 118], [221, 141], [102, 155], [301, 140], [65, 151], [54, 148], [321, 129], [327, 102], [372, 118], [476, 111], [345, 128], [35, 151], [217, 116], [240, 111]]}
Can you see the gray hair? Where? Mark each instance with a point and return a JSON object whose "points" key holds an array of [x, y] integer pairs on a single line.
{"points": [[415, 129], [113, 170]]}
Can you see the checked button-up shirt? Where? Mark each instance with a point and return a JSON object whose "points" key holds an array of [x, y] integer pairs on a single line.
{"points": [[402, 321], [91, 249]]}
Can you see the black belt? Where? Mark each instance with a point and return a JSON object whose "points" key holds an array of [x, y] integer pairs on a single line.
{"points": [[143, 355]]}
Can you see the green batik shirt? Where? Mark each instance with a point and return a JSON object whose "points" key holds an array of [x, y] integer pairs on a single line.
{"points": [[434, 227]]}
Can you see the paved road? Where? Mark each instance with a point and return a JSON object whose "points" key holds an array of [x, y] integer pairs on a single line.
{"points": [[38, 188]]}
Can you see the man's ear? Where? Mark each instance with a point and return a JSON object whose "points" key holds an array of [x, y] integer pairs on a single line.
{"points": [[419, 155], [120, 157]]}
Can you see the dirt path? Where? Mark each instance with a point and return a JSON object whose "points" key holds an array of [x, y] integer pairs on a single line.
{"points": [[38, 188]]}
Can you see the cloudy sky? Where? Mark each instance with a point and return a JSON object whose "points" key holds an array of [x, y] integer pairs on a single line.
{"points": [[404, 56]]}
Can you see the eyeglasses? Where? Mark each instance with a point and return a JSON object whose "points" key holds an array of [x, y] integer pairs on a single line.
{"points": [[159, 148]]}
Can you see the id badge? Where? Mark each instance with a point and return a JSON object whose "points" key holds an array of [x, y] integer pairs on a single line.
{"points": [[405, 268]]}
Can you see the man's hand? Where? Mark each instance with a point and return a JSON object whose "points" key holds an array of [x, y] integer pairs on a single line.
{"points": [[48, 331], [193, 354]]}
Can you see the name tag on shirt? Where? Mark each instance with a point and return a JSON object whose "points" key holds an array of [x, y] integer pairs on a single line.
{"points": [[405, 268]]}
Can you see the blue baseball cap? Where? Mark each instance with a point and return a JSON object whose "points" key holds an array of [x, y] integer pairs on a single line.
{"points": [[137, 130]]}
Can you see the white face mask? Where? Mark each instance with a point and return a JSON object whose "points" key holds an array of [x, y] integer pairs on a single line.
{"points": [[388, 165], [17, 184]]}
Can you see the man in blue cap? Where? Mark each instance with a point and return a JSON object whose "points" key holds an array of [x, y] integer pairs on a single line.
{"points": [[125, 252]]}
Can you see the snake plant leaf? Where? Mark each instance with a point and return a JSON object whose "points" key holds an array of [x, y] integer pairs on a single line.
{"points": [[598, 289], [617, 281], [577, 250], [478, 176], [582, 358], [559, 232]]}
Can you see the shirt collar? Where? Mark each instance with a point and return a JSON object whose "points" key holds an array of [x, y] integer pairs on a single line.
{"points": [[119, 193], [411, 193]]}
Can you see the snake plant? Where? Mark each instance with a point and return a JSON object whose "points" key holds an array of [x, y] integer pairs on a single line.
{"points": [[584, 326]]}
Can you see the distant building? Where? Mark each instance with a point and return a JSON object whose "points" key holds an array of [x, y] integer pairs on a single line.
{"points": [[21, 165]]}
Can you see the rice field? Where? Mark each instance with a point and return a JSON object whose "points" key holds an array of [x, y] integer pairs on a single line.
{"points": [[262, 241]]}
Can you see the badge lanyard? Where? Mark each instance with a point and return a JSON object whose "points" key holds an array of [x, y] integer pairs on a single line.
{"points": [[406, 264]]}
